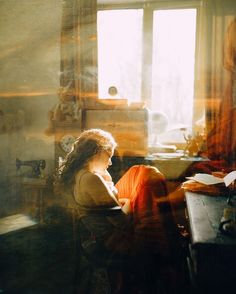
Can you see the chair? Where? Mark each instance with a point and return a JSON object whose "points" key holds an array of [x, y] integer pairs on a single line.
{"points": [[106, 272], [98, 269]]}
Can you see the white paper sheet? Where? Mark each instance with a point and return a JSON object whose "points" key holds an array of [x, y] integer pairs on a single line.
{"points": [[212, 180], [229, 178], [206, 179]]}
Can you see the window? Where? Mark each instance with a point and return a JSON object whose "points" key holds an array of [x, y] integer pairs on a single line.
{"points": [[119, 53], [173, 68], [150, 59]]}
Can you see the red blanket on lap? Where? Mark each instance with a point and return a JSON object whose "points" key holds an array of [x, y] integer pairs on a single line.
{"points": [[145, 186], [142, 185]]}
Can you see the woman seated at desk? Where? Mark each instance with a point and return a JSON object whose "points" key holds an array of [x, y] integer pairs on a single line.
{"points": [[126, 232]]}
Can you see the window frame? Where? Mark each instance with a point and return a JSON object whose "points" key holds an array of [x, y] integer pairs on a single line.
{"points": [[148, 10]]}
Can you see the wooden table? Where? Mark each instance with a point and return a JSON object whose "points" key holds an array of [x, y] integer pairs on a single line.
{"points": [[212, 260], [35, 188]]}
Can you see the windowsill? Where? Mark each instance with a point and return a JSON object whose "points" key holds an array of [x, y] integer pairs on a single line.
{"points": [[173, 168]]}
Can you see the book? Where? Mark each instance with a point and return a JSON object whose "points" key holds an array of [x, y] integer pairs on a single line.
{"points": [[208, 179]]}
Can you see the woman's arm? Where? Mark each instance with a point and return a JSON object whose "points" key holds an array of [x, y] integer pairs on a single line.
{"points": [[96, 189], [95, 192], [124, 202]]}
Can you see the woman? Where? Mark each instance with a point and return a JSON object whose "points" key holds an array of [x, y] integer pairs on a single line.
{"points": [[124, 223], [131, 228], [85, 169]]}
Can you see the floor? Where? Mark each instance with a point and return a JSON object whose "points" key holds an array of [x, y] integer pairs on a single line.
{"points": [[41, 260]]}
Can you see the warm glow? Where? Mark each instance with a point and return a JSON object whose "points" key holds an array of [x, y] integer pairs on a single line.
{"points": [[26, 94]]}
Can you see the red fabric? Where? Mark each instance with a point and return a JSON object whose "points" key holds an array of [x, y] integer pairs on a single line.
{"points": [[146, 188], [142, 184]]}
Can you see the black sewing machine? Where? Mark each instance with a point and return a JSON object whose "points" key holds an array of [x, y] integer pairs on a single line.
{"points": [[36, 165]]}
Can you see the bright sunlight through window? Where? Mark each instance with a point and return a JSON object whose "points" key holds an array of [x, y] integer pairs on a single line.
{"points": [[119, 53], [173, 68], [171, 75]]}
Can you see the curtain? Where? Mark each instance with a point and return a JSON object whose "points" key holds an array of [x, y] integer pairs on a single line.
{"points": [[79, 49], [219, 43]]}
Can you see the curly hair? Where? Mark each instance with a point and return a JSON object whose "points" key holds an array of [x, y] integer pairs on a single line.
{"points": [[89, 143]]}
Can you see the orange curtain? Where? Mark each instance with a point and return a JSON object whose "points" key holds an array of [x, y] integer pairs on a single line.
{"points": [[219, 61], [79, 49]]}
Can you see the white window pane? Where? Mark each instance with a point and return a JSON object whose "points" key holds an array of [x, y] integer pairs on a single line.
{"points": [[173, 67], [119, 53]]}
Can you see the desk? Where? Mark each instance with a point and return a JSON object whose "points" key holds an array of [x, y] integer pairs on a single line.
{"points": [[212, 260], [33, 194]]}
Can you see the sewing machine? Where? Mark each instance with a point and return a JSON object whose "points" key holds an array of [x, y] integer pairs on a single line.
{"points": [[36, 165]]}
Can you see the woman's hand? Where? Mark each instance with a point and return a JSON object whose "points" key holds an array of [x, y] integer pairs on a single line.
{"points": [[108, 179], [125, 205]]}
